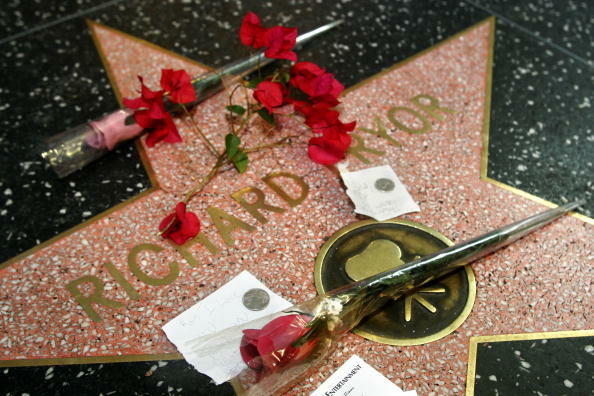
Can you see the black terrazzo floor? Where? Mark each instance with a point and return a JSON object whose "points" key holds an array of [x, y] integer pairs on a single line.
{"points": [[143, 378], [541, 133], [516, 368]]}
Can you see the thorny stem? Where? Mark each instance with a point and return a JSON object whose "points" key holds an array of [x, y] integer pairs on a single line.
{"points": [[197, 128]]}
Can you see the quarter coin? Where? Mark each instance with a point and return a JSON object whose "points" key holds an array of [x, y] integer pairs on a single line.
{"points": [[384, 184], [256, 299]]}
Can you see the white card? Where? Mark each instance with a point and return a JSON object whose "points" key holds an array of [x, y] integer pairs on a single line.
{"points": [[377, 192], [220, 310], [357, 378]]}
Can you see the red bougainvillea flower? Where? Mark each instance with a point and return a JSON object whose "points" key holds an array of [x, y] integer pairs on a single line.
{"points": [[322, 103], [306, 70], [327, 151], [180, 226], [269, 94], [314, 81], [163, 129], [151, 115], [324, 121], [158, 129], [280, 41], [252, 32], [179, 85], [151, 101], [271, 347]]}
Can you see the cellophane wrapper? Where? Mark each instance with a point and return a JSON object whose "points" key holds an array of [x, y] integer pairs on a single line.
{"points": [[318, 322], [299, 338]]}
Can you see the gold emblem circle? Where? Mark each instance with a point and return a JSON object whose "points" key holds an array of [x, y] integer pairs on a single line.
{"points": [[416, 233]]}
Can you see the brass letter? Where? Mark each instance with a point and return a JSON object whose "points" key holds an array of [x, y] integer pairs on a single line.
{"points": [[254, 207], [117, 275], [143, 277], [426, 127], [87, 302], [268, 179], [380, 132], [201, 239], [356, 150], [432, 108], [227, 223]]}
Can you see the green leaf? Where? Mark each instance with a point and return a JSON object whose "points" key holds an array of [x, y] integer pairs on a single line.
{"points": [[266, 115], [240, 160], [130, 120], [240, 110], [284, 77], [232, 143], [254, 82]]}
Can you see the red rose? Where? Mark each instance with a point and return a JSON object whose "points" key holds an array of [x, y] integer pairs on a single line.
{"points": [[271, 347], [327, 151], [180, 226], [279, 43], [179, 85], [269, 94], [252, 32]]}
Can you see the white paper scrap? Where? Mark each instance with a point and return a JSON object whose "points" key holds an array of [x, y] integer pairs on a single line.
{"points": [[377, 192], [220, 310], [357, 378]]}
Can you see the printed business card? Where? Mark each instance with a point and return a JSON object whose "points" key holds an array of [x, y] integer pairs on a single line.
{"points": [[357, 378]]}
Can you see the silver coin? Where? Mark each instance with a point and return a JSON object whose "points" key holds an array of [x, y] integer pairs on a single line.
{"points": [[384, 184], [256, 299]]}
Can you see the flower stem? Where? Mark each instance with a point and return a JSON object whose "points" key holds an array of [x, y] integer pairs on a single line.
{"points": [[244, 123], [231, 104], [281, 142], [213, 171], [197, 128]]}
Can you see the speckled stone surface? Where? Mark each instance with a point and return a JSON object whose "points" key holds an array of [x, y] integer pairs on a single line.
{"points": [[541, 137], [53, 78], [60, 84], [19, 18], [515, 368], [568, 25], [149, 377]]}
